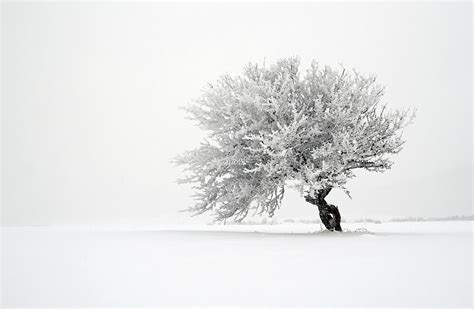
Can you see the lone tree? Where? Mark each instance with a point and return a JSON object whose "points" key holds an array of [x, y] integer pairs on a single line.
{"points": [[272, 127]]}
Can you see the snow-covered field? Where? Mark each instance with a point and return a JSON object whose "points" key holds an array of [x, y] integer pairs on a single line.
{"points": [[390, 264]]}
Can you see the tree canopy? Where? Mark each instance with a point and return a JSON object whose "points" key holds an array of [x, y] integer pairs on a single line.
{"points": [[274, 126]]}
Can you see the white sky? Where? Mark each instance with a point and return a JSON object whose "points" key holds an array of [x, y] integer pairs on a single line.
{"points": [[91, 92]]}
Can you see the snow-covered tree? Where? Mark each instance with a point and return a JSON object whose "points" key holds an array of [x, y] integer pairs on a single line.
{"points": [[274, 127]]}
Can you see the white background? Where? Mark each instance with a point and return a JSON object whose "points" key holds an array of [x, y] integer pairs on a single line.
{"points": [[90, 117]]}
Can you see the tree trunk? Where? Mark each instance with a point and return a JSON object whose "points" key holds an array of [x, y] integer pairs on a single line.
{"points": [[329, 214]]}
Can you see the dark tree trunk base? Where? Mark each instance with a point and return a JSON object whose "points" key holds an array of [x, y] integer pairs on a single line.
{"points": [[329, 214]]}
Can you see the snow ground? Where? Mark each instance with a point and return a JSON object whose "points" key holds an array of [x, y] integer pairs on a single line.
{"points": [[390, 264]]}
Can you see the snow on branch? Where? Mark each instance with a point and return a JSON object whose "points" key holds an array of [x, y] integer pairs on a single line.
{"points": [[271, 125]]}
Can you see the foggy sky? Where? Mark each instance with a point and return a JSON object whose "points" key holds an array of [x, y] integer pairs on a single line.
{"points": [[91, 96]]}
